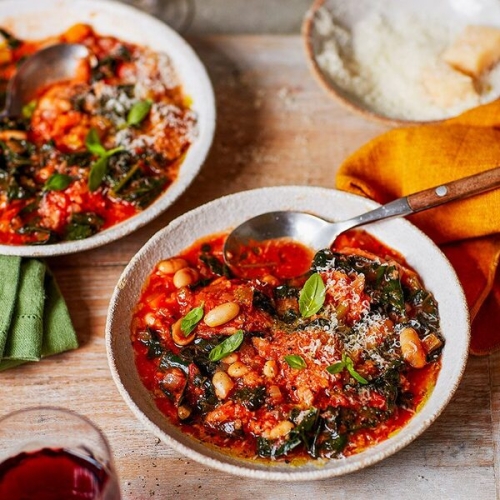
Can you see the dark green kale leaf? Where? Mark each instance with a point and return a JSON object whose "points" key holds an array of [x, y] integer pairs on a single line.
{"points": [[251, 398], [83, 225], [316, 432], [151, 339], [142, 191]]}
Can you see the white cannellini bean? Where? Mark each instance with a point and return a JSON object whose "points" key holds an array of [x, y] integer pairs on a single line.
{"points": [[280, 430], [237, 369], [221, 314], [231, 358], [185, 276], [171, 266], [411, 348], [223, 384]]}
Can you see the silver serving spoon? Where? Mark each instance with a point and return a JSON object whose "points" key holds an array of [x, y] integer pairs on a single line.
{"points": [[52, 64], [318, 233]]}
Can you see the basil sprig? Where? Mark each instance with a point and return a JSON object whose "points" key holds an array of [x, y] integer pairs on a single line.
{"points": [[57, 182], [348, 364], [336, 367], [138, 112], [312, 296], [99, 168], [295, 361], [28, 108], [226, 346], [192, 318]]}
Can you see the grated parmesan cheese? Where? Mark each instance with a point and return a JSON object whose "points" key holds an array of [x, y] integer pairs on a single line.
{"points": [[382, 63]]}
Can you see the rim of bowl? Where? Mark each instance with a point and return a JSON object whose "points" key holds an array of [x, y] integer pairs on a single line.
{"points": [[307, 30], [204, 105], [206, 455]]}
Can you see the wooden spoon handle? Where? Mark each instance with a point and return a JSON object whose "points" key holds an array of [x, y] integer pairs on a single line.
{"points": [[455, 190]]}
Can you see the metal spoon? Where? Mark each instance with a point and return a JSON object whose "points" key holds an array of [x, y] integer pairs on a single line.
{"points": [[318, 233], [49, 65]]}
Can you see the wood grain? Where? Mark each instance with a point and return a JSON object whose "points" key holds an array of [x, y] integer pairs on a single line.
{"points": [[275, 126], [455, 190]]}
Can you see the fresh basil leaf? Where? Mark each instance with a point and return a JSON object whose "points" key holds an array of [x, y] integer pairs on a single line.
{"points": [[111, 152], [138, 112], [312, 296], [354, 374], [27, 109], [100, 167], [97, 173], [93, 143], [192, 318], [336, 367], [295, 361], [57, 182], [226, 346]]}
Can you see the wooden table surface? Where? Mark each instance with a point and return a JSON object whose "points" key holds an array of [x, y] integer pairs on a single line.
{"points": [[275, 126]]}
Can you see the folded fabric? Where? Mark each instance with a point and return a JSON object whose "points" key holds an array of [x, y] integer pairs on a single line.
{"points": [[409, 159], [24, 341], [10, 271], [38, 324]]}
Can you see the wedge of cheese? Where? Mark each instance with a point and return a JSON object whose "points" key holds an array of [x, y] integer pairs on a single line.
{"points": [[446, 87], [475, 50]]}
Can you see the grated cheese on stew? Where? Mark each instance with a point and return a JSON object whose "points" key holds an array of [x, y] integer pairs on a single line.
{"points": [[286, 384]]}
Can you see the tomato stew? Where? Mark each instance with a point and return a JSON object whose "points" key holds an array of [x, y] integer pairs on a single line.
{"points": [[274, 365], [91, 152]]}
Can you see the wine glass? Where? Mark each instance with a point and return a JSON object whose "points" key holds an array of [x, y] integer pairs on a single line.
{"points": [[49, 452], [178, 14]]}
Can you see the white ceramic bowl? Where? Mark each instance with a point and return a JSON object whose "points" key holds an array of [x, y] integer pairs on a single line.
{"points": [[227, 212], [394, 44], [41, 18]]}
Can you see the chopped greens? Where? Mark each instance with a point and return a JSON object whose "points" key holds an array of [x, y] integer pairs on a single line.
{"points": [[83, 225]]}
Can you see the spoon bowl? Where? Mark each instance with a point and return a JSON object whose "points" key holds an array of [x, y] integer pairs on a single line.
{"points": [[49, 65], [318, 233]]}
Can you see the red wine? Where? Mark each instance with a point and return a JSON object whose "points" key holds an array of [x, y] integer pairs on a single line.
{"points": [[51, 474]]}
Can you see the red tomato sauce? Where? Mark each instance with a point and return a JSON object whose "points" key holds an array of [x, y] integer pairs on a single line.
{"points": [[93, 151], [283, 372]]}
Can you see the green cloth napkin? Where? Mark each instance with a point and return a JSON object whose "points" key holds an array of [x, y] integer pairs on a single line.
{"points": [[37, 323], [10, 271]]}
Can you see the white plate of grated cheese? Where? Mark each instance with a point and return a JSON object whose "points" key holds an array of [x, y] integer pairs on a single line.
{"points": [[31, 20], [406, 61]]}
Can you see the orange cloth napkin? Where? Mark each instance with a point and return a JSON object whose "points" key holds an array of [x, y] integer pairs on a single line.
{"points": [[406, 160]]}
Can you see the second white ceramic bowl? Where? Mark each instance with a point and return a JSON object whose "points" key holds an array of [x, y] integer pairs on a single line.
{"points": [[225, 213]]}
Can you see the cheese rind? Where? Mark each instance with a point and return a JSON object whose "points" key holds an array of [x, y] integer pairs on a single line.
{"points": [[475, 50], [446, 87]]}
